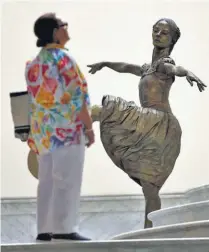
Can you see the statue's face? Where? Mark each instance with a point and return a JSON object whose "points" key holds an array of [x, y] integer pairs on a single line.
{"points": [[161, 35]]}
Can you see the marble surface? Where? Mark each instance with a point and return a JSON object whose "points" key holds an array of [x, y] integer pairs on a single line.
{"points": [[22, 228], [100, 217], [200, 193], [183, 213], [156, 245], [182, 230], [114, 203]]}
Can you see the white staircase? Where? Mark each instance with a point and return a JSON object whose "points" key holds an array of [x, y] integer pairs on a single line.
{"points": [[198, 211], [190, 220], [183, 228], [195, 229], [198, 194], [153, 245]]}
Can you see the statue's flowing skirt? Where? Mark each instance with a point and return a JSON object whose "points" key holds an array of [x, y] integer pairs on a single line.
{"points": [[143, 142]]}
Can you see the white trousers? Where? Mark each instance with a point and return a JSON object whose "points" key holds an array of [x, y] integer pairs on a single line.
{"points": [[58, 196]]}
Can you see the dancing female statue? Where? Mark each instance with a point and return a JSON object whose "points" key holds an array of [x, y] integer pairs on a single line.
{"points": [[145, 141]]}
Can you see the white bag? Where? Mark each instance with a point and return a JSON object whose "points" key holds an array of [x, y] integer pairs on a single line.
{"points": [[20, 114]]}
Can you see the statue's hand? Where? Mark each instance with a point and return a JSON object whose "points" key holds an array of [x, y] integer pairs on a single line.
{"points": [[96, 67], [193, 78]]}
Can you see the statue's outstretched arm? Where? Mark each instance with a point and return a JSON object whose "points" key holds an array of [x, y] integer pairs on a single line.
{"points": [[180, 71], [119, 67]]}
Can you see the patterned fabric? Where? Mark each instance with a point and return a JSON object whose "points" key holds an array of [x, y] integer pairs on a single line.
{"points": [[57, 89]]}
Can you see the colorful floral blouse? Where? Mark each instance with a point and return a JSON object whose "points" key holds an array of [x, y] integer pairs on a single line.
{"points": [[57, 90]]}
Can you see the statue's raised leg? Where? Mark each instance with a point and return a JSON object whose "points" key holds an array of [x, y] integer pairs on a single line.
{"points": [[96, 112]]}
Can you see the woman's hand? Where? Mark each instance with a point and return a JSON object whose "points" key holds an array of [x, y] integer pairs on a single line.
{"points": [[96, 67], [91, 137], [193, 78]]}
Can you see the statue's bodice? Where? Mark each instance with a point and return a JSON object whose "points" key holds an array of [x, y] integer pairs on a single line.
{"points": [[154, 87]]}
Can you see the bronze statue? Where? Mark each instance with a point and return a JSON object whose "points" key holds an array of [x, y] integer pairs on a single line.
{"points": [[145, 141]]}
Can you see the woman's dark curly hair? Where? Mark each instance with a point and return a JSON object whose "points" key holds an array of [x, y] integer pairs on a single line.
{"points": [[44, 29]]}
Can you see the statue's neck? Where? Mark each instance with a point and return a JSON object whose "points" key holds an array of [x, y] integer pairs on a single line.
{"points": [[159, 53]]}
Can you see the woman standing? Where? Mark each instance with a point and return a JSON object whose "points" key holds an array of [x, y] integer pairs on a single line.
{"points": [[59, 113], [145, 141]]}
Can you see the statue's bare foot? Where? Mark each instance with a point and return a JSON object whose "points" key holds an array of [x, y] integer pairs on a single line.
{"points": [[96, 112]]}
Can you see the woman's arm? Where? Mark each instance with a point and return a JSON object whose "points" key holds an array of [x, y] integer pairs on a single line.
{"points": [[77, 87], [119, 67], [85, 117], [85, 110]]}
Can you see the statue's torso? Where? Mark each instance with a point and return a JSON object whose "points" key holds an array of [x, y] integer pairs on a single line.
{"points": [[154, 88]]}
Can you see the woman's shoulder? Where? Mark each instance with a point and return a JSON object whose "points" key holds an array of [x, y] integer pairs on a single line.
{"points": [[63, 55], [31, 62]]}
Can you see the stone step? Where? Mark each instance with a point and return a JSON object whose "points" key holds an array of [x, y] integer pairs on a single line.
{"points": [[98, 226], [158, 245], [183, 230], [179, 214], [200, 193]]}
